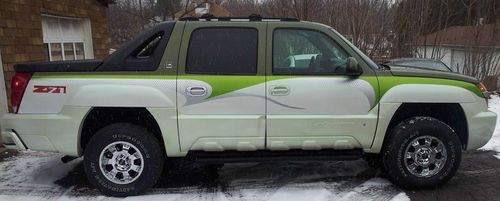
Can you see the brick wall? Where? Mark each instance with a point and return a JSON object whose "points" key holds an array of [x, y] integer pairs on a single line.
{"points": [[21, 38]]}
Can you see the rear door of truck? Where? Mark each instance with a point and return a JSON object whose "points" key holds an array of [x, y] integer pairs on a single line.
{"points": [[221, 86]]}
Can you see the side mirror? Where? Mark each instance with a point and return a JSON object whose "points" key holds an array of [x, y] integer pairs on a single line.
{"points": [[353, 67]]}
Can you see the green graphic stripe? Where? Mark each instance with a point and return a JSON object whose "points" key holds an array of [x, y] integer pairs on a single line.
{"points": [[223, 84], [387, 82]]}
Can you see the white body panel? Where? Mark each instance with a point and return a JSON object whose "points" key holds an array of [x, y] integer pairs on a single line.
{"points": [[98, 93], [321, 96], [231, 121], [481, 123], [320, 113]]}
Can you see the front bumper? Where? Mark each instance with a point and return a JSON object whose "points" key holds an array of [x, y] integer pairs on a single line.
{"points": [[481, 123], [481, 128]]}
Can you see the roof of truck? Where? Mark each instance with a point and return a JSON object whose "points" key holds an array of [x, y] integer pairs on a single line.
{"points": [[251, 18]]}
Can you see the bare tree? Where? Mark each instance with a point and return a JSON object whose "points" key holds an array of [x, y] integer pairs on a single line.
{"points": [[383, 29]]}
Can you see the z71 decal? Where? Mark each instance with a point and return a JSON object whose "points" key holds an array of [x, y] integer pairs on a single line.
{"points": [[49, 89]]}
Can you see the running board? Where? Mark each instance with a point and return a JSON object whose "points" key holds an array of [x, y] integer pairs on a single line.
{"points": [[266, 155]]}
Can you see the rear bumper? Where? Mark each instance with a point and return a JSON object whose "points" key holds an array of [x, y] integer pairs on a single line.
{"points": [[44, 132], [11, 140]]}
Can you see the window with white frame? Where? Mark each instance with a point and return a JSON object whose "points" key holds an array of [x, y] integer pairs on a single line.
{"points": [[66, 38]]}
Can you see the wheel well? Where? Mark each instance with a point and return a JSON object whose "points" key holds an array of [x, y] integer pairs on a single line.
{"points": [[99, 117], [449, 113]]}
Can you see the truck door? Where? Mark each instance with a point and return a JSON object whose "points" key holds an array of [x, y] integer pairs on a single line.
{"points": [[221, 86], [311, 101]]}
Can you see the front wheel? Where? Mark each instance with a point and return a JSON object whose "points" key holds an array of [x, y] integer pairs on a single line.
{"points": [[421, 152], [123, 159]]}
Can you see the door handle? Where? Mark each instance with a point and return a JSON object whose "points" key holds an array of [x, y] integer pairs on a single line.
{"points": [[196, 91], [279, 90]]}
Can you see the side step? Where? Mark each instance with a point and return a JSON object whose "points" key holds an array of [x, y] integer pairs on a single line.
{"points": [[266, 155]]}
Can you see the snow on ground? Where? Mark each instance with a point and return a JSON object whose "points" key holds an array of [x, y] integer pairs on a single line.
{"points": [[494, 143], [36, 176]]}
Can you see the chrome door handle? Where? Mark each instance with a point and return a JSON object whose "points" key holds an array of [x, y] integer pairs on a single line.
{"points": [[196, 91], [279, 90]]}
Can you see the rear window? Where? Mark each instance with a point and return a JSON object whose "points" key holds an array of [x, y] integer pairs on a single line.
{"points": [[223, 51]]}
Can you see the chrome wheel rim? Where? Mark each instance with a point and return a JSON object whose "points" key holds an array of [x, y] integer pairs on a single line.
{"points": [[425, 156], [121, 162]]}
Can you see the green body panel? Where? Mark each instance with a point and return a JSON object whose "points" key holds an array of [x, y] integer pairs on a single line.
{"points": [[387, 82]]}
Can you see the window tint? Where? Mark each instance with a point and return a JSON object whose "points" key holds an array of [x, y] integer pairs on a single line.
{"points": [[223, 51], [306, 52]]}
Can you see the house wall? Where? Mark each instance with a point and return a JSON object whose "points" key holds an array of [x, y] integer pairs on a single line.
{"points": [[21, 38], [3, 96]]}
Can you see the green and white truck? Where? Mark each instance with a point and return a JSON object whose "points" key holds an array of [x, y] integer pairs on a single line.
{"points": [[242, 90]]}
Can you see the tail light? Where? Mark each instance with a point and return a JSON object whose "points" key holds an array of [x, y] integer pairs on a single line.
{"points": [[18, 85]]}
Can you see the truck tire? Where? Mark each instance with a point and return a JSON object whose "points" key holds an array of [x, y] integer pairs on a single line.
{"points": [[123, 159], [421, 153]]}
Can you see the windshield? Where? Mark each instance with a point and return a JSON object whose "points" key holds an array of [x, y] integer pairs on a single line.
{"points": [[431, 65], [358, 51]]}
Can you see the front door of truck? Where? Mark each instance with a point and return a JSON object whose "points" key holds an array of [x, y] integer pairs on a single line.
{"points": [[312, 102], [220, 86]]}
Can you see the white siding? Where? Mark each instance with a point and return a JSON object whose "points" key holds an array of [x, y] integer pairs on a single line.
{"points": [[457, 59]]}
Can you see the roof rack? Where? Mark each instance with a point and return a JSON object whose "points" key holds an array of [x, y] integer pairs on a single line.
{"points": [[252, 17]]}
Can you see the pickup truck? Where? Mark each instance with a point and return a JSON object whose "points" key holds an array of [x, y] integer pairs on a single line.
{"points": [[224, 90]]}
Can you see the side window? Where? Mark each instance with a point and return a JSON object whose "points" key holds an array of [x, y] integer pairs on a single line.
{"points": [[306, 52], [147, 49], [223, 51]]}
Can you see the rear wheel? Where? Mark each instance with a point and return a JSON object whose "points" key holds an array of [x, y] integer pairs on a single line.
{"points": [[422, 152], [123, 159]]}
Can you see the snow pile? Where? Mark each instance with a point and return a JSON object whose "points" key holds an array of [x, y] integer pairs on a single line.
{"points": [[494, 143]]}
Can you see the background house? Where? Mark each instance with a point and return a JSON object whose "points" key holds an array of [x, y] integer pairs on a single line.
{"points": [[472, 50], [49, 30]]}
